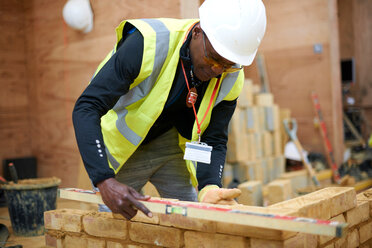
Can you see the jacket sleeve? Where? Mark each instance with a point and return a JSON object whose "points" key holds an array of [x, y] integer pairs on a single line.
{"points": [[216, 135], [105, 89]]}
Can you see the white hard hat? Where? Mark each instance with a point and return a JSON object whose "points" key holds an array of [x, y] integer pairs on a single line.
{"points": [[291, 152], [235, 28], [78, 15]]}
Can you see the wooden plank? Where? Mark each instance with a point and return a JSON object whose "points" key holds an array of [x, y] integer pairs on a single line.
{"points": [[222, 213]]}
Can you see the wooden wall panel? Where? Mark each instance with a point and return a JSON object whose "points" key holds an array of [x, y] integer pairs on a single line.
{"points": [[294, 69], [60, 63], [14, 95]]}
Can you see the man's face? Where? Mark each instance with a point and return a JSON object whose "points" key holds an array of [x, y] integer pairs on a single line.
{"points": [[206, 61]]}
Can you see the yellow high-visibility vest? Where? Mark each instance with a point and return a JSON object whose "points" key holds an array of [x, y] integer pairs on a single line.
{"points": [[126, 125]]}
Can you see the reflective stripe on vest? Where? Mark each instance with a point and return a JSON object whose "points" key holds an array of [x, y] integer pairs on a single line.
{"points": [[142, 89], [228, 84]]}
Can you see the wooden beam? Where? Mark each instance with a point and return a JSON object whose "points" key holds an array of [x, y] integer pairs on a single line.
{"points": [[223, 214]]}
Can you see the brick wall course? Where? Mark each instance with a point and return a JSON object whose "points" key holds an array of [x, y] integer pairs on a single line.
{"points": [[104, 225], [79, 228], [155, 235], [211, 240]]}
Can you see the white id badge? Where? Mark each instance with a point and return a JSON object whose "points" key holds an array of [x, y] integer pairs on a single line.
{"points": [[199, 152]]}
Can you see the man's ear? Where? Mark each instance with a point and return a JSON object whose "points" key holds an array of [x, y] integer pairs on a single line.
{"points": [[197, 31]]}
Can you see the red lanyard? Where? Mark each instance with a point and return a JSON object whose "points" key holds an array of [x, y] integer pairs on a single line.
{"points": [[193, 106]]}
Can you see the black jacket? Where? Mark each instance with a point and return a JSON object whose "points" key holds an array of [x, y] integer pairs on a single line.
{"points": [[114, 80]]}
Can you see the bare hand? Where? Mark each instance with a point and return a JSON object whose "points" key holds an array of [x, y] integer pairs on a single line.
{"points": [[122, 199]]}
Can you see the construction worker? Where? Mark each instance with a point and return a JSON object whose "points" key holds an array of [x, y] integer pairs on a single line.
{"points": [[165, 83]]}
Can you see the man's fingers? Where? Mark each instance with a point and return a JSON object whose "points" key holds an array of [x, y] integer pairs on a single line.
{"points": [[229, 193], [140, 206]]}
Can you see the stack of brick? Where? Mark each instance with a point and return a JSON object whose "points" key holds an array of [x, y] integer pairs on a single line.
{"points": [[77, 228], [255, 139]]}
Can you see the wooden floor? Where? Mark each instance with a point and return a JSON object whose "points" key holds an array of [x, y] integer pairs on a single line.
{"points": [[38, 241]]}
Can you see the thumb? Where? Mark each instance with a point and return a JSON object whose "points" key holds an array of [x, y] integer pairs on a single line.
{"points": [[229, 193], [137, 195]]}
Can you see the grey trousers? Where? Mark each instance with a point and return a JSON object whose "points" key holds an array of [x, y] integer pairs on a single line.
{"points": [[161, 163]]}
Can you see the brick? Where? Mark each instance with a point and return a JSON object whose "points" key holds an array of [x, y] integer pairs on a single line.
{"points": [[332, 245], [140, 217], [279, 190], [251, 193], [211, 240], [64, 219], [322, 204], [246, 96], [245, 171], [104, 225], [324, 239], [278, 166], [257, 232], [114, 244], [53, 241], [237, 145], [365, 231], [267, 144], [353, 239], [301, 240], [264, 99], [366, 196], [340, 242], [180, 221], [342, 198], [307, 207], [358, 214], [367, 244], [299, 179], [83, 241], [155, 235]]}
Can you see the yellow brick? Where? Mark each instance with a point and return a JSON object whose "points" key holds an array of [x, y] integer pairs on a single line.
{"points": [[353, 239], [366, 196], [237, 145], [307, 207], [251, 193], [365, 231], [246, 96], [299, 179], [104, 225], [180, 221], [267, 144], [155, 235], [358, 214], [323, 239], [340, 242], [52, 241], [367, 244], [264, 99], [126, 244], [83, 241], [64, 219], [262, 233], [301, 240], [279, 190], [209, 240], [322, 204], [140, 217]]}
